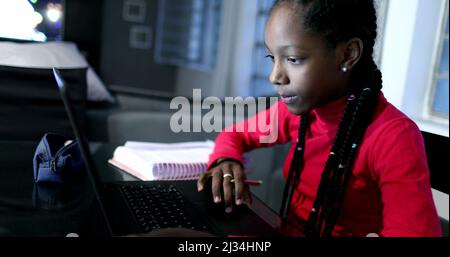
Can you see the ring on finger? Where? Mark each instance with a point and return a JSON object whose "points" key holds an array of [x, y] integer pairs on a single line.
{"points": [[226, 175]]}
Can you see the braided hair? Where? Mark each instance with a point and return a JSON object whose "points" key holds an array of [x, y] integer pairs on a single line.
{"points": [[336, 22]]}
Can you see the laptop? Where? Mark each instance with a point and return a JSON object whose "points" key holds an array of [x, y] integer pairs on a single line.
{"points": [[140, 207]]}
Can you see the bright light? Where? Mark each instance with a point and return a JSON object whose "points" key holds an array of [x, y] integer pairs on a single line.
{"points": [[19, 20], [53, 13], [37, 19]]}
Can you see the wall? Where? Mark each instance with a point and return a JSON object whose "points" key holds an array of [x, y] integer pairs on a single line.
{"points": [[83, 26], [128, 66]]}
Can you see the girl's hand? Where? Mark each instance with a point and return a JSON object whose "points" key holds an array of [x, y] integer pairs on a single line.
{"points": [[227, 177]]}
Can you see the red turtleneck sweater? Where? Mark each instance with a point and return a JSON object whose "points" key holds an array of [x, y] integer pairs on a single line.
{"points": [[389, 192]]}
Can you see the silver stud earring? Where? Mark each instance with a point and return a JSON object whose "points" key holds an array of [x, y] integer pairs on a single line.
{"points": [[344, 69]]}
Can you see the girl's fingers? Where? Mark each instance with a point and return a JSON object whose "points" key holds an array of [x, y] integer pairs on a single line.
{"points": [[239, 186], [227, 188], [217, 185], [229, 179], [203, 180]]}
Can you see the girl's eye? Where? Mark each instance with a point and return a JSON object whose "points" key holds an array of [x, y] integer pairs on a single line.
{"points": [[294, 60], [271, 57]]}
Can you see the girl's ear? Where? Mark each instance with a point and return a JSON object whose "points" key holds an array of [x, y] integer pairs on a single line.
{"points": [[352, 51]]}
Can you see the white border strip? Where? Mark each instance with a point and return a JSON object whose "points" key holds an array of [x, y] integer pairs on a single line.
{"points": [[441, 202]]}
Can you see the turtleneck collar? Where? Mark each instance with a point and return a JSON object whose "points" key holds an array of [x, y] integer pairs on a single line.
{"points": [[327, 117]]}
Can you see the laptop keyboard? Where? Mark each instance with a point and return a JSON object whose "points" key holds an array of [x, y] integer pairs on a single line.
{"points": [[159, 206]]}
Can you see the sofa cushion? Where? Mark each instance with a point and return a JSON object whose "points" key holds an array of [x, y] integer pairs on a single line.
{"points": [[64, 55], [30, 103]]}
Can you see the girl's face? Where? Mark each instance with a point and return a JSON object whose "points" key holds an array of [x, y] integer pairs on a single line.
{"points": [[306, 73]]}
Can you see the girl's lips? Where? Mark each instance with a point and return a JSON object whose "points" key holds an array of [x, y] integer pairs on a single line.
{"points": [[289, 99]]}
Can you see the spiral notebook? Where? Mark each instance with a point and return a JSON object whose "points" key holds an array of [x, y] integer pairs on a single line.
{"points": [[156, 161]]}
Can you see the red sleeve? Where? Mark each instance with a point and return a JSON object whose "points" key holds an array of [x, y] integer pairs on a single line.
{"points": [[265, 129], [400, 165]]}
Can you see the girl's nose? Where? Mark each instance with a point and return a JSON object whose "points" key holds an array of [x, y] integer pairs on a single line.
{"points": [[278, 75]]}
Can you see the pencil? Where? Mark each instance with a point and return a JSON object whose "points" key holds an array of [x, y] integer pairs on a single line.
{"points": [[250, 182], [253, 182]]}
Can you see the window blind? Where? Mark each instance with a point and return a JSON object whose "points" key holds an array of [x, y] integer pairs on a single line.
{"points": [[440, 102], [187, 33]]}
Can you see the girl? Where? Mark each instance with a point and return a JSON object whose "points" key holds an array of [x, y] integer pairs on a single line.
{"points": [[357, 165]]}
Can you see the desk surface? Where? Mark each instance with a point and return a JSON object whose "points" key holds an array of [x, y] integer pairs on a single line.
{"points": [[29, 209]]}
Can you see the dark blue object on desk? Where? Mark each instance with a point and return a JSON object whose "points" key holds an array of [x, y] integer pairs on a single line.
{"points": [[57, 160], [30, 209]]}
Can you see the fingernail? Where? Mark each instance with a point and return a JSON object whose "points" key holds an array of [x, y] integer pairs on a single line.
{"points": [[228, 210], [238, 202], [217, 199]]}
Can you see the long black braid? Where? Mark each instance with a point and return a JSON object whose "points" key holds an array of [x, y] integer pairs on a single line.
{"points": [[338, 21]]}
